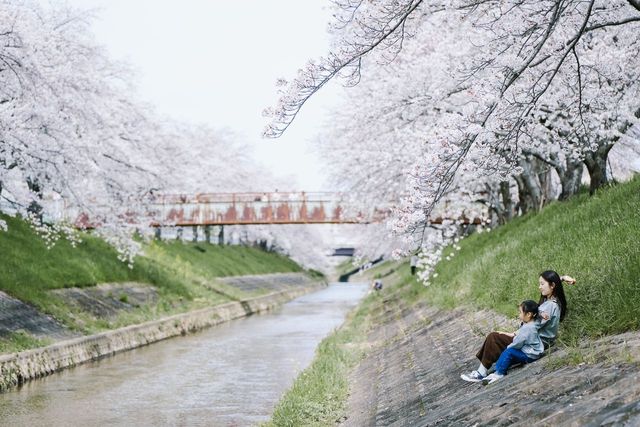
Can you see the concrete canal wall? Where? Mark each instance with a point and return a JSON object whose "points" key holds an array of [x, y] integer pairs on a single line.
{"points": [[20, 367]]}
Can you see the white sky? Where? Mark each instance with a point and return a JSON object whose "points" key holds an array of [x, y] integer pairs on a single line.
{"points": [[216, 61]]}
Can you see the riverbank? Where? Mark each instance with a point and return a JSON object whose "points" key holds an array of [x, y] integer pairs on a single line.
{"points": [[397, 360], [231, 374], [81, 288], [23, 366], [411, 375]]}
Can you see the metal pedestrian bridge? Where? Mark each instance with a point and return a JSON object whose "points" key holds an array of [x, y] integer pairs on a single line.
{"points": [[247, 208], [257, 208]]}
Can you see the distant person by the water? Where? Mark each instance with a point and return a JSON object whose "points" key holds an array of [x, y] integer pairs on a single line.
{"points": [[414, 264]]}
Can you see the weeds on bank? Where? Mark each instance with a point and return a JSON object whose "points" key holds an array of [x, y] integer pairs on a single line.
{"points": [[20, 340], [319, 394]]}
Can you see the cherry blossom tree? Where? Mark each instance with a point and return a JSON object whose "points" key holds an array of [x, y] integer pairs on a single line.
{"points": [[77, 149], [538, 87], [68, 125], [375, 140], [521, 48], [200, 158]]}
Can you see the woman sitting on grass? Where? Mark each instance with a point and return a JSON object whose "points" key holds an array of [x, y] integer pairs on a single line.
{"points": [[552, 309], [526, 347]]}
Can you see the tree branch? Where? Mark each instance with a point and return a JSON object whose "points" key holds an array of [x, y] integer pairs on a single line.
{"points": [[291, 110], [542, 158], [616, 23]]}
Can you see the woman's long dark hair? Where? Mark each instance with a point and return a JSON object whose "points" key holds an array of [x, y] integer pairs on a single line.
{"points": [[558, 291]]}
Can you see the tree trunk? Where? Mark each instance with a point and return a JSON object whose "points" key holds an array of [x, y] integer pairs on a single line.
{"points": [[544, 178], [508, 206], [494, 204], [596, 162], [570, 175], [529, 189], [35, 208]]}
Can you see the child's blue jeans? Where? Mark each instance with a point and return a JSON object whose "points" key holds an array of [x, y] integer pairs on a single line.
{"points": [[509, 357]]}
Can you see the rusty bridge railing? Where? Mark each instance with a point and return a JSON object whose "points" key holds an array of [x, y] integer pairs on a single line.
{"points": [[257, 208]]}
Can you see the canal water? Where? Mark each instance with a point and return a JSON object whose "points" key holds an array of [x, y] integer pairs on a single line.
{"points": [[229, 375]]}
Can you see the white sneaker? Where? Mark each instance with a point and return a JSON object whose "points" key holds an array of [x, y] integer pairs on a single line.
{"points": [[472, 377], [491, 378]]}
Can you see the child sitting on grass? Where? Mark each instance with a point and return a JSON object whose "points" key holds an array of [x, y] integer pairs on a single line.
{"points": [[526, 347]]}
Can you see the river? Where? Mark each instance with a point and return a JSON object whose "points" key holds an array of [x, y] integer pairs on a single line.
{"points": [[229, 375]]}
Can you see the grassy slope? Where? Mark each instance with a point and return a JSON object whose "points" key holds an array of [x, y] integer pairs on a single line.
{"points": [[178, 270], [595, 239]]}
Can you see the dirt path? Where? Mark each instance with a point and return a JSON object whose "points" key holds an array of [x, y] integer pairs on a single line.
{"points": [[412, 377]]}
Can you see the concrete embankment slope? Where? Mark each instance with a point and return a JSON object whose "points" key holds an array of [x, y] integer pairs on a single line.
{"points": [[20, 367], [411, 376]]}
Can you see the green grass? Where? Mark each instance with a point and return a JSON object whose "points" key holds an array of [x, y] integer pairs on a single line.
{"points": [[183, 273], [229, 260], [594, 239], [20, 340], [30, 269], [319, 394], [317, 389]]}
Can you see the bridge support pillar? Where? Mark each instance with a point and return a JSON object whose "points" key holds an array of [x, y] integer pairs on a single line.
{"points": [[221, 236], [207, 233]]}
